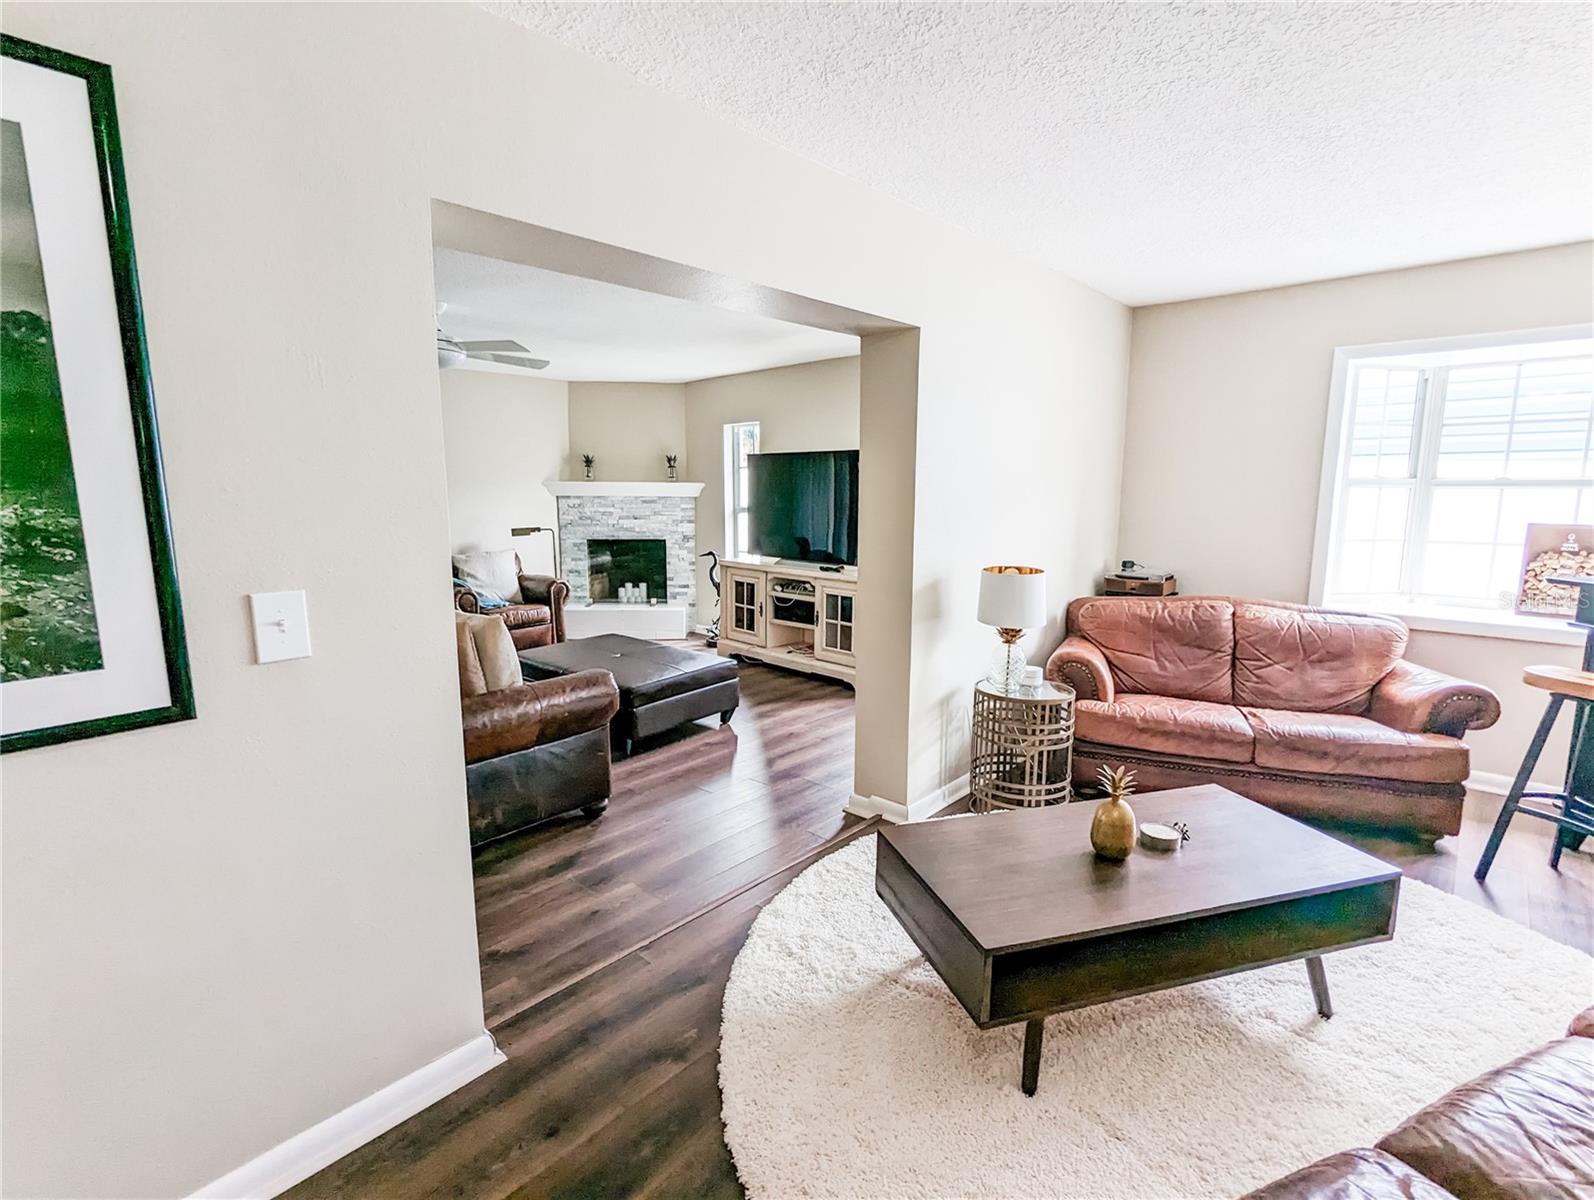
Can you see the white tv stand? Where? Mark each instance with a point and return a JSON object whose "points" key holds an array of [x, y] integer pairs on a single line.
{"points": [[789, 614]]}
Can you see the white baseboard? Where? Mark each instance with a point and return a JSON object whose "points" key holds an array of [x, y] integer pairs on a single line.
{"points": [[302, 1155], [898, 813], [1499, 785]]}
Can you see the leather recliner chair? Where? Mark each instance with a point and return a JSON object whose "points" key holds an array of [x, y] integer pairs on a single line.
{"points": [[1311, 712], [537, 618], [532, 750]]}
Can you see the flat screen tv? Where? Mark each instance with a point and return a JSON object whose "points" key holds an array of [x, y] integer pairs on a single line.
{"points": [[804, 506]]}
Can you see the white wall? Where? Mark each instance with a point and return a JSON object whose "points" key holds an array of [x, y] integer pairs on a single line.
{"points": [[630, 427], [503, 435], [811, 406], [1224, 445], [219, 933]]}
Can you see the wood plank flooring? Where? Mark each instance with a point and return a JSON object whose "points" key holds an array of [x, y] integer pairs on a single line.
{"points": [[606, 947]]}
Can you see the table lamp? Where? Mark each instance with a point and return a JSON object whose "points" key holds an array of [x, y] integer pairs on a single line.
{"points": [[1012, 599]]}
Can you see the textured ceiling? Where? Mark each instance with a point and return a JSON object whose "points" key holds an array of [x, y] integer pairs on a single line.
{"points": [[590, 330], [1157, 152]]}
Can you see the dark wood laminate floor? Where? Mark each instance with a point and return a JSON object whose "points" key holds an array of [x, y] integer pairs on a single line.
{"points": [[606, 948]]}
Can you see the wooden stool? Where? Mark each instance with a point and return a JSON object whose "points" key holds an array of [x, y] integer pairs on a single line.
{"points": [[1573, 814]]}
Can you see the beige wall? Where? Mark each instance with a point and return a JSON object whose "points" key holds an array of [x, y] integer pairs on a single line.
{"points": [[503, 435], [219, 933], [1224, 443], [630, 427], [811, 406]]}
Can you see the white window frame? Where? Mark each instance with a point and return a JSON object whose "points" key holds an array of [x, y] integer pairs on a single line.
{"points": [[735, 502], [1336, 439]]}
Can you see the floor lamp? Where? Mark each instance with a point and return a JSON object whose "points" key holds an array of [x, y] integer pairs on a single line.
{"points": [[553, 534]]}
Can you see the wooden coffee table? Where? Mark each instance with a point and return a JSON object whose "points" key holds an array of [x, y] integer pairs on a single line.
{"points": [[1022, 920]]}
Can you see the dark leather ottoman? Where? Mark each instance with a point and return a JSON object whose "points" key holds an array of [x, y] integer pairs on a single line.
{"points": [[660, 686]]}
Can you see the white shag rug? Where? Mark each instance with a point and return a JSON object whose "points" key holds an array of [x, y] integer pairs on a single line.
{"points": [[849, 1070]]}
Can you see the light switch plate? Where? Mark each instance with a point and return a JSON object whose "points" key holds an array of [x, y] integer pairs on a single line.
{"points": [[281, 624]]}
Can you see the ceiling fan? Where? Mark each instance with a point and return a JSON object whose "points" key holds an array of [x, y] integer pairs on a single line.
{"points": [[452, 353]]}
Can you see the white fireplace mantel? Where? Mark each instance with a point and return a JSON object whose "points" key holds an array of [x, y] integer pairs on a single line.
{"points": [[604, 487]]}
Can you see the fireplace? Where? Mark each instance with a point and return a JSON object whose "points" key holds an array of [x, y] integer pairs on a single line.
{"points": [[613, 563], [600, 518]]}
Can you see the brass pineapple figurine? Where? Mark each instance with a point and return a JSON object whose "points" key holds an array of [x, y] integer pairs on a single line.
{"points": [[1112, 829]]}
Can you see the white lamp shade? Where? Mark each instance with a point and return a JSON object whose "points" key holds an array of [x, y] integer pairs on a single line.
{"points": [[1013, 597]]}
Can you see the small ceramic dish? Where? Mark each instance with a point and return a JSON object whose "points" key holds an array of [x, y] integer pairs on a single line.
{"points": [[1155, 836]]}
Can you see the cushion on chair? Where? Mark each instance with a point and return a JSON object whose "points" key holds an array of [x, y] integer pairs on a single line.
{"points": [[1166, 725], [1524, 1130], [495, 650], [471, 680], [1302, 660], [1337, 744], [522, 616], [1352, 1175], [1164, 647], [490, 572]]}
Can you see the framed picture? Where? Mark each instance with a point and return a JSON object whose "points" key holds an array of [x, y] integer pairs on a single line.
{"points": [[91, 630]]}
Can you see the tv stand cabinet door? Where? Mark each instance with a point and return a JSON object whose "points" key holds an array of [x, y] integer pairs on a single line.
{"points": [[833, 638], [745, 621]]}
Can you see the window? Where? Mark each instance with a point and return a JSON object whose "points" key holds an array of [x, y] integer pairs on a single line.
{"points": [[1440, 457], [741, 440]]}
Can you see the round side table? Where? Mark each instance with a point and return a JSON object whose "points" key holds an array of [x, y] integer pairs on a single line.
{"points": [[1023, 747]]}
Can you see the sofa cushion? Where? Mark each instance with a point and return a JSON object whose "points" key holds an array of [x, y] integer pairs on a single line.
{"points": [[1353, 1175], [1305, 660], [490, 572], [495, 650], [1160, 647], [524, 616], [1166, 725], [1523, 1130], [1339, 744], [471, 680]]}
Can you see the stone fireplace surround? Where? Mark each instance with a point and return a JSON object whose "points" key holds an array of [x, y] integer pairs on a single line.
{"points": [[604, 510]]}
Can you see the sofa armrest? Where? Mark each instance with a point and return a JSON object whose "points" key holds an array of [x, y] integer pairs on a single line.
{"points": [[1079, 664], [545, 589], [536, 713], [1414, 699], [466, 600]]}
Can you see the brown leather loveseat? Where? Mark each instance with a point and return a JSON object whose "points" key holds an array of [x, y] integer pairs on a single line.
{"points": [[1524, 1131], [532, 750], [1309, 711]]}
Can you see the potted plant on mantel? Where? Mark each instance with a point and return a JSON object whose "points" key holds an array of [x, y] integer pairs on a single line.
{"points": [[669, 466], [586, 462]]}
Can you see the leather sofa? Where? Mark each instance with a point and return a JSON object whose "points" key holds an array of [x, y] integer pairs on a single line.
{"points": [[1312, 712], [1524, 1131], [536, 618], [532, 750]]}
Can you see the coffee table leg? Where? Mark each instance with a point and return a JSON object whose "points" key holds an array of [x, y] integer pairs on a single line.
{"points": [[1314, 972], [1032, 1055]]}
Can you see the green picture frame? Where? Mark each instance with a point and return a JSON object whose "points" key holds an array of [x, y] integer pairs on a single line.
{"points": [[51, 696]]}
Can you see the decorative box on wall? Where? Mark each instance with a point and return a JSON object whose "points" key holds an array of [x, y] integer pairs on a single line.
{"points": [[789, 614], [1133, 579]]}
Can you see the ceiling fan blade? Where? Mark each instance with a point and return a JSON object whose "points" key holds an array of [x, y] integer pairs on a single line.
{"points": [[498, 345], [512, 360]]}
